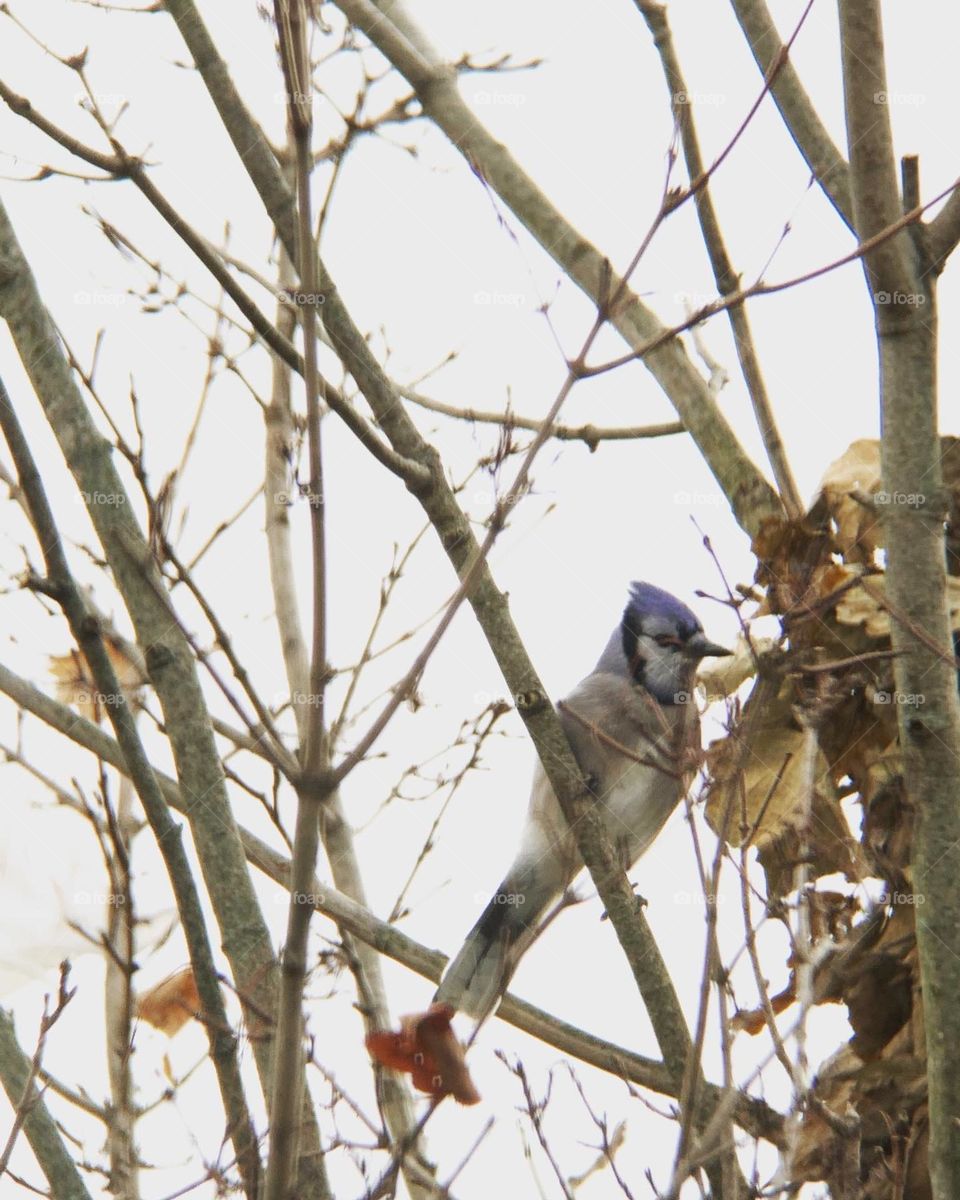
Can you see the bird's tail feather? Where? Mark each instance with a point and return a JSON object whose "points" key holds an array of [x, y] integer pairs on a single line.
{"points": [[475, 980]]}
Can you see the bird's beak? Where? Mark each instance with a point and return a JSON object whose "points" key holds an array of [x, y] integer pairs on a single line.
{"points": [[699, 647]]}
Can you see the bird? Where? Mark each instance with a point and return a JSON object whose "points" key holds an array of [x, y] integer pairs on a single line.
{"points": [[631, 723]]}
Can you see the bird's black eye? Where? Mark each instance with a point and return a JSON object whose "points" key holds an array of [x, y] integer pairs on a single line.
{"points": [[667, 639]]}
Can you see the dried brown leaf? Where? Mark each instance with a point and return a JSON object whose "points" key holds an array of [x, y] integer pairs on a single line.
{"points": [[427, 1049], [857, 607], [720, 677], [855, 472], [75, 684], [171, 1004]]}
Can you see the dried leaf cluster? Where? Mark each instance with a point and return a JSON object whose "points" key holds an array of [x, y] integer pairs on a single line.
{"points": [[864, 1123]]}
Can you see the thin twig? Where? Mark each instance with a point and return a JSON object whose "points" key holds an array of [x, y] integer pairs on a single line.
{"points": [[285, 1164], [47, 1021], [590, 435]]}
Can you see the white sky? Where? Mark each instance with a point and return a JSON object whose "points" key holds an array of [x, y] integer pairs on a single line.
{"points": [[430, 263]]}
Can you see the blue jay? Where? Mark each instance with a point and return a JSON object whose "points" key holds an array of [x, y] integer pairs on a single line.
{"points": [[631, 724]]}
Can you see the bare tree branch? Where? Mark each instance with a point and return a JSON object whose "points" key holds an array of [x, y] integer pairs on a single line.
{"points": [[943, 233], [755, 1115], [123, 166], [590, 435], [286, 1159], [876, 196], [120, 963], [902, 282], [335, 831], [18, 1074], [222, 1040], [168, 656], [750, 496], [727, 279], [824, 159]]}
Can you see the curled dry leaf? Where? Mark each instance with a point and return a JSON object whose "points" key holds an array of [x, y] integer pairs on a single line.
{"points": [[720, 677], [427, 1049], [877, 1081], [848, 486], [865, 1130], [860, 607], [753, 1020], [817, 1153], [886, 1106], [171, 1004], [887, 833], [758, 790], [831, 918], [791, 557]]}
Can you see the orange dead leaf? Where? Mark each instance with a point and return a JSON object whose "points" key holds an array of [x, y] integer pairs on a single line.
{"points": [[753, 1020], [426, 1049], [171, 1004], [75, 684]]}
